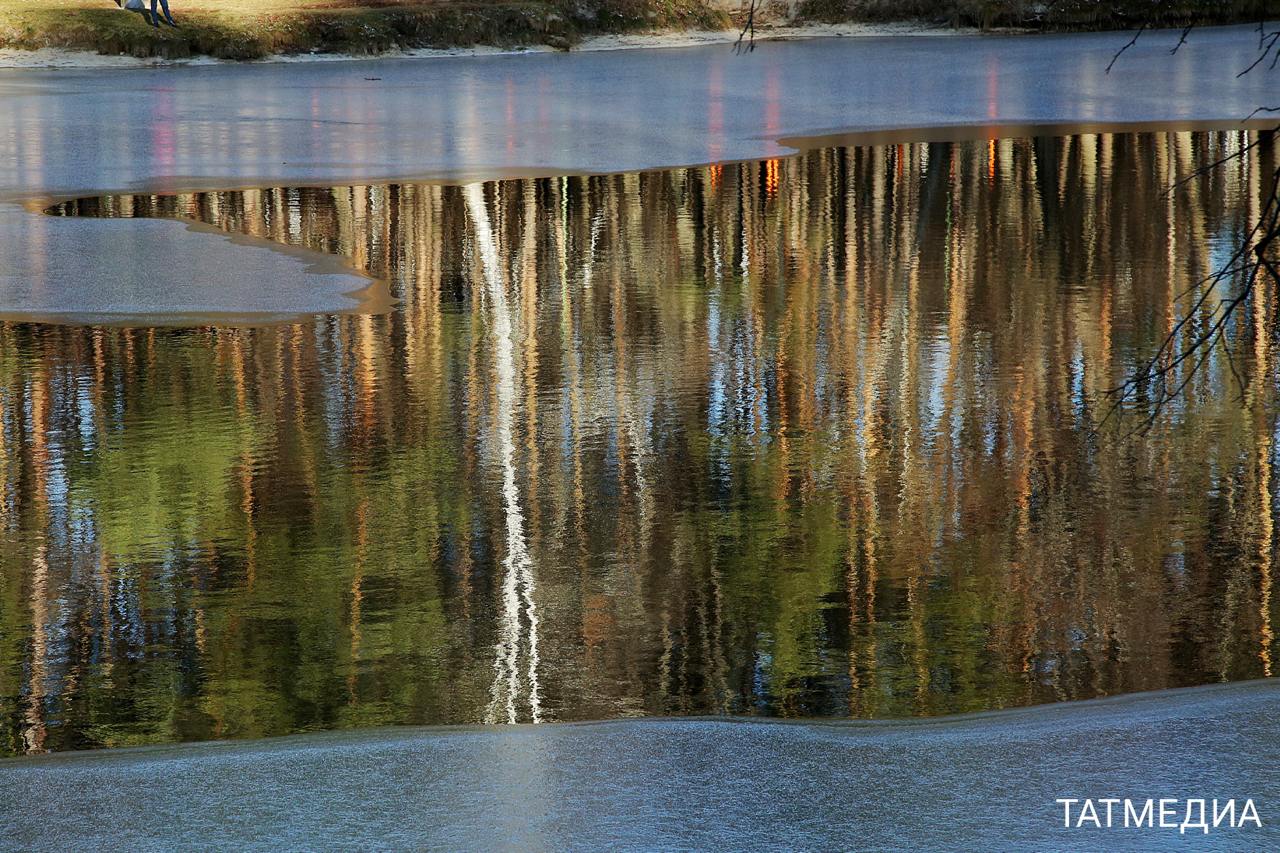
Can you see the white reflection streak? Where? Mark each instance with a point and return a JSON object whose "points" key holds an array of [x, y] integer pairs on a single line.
{"points": [[518, 584], [596, 223]]}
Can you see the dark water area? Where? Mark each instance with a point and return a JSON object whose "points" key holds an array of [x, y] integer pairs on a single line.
{"points": [[811, 437]]}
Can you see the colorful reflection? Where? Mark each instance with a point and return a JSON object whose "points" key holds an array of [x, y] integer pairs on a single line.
{"points": [[807, 437]]}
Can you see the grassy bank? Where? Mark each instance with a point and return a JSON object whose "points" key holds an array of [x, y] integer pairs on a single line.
{"points": [[249, 29], [243, 29]]}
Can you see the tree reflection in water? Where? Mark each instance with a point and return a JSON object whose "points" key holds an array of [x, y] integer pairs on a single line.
{"points": [[518, 581], [802, 437]]}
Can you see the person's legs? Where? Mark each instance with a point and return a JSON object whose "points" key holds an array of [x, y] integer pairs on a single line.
{"points": [[153, 19], [164, 4]]}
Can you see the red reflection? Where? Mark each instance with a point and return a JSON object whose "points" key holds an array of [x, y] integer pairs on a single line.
{"points": [[772, 102], [163, 136], [993, 87], [511, 116], [715, 116]]}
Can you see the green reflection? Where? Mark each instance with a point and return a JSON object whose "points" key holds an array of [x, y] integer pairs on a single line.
{"points": [[800, 437]]}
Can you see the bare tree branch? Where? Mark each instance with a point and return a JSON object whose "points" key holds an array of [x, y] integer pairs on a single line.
{"points": [[1142, 29], [1251, 259], [1182, 39], [748, 27], [1263, 51], [1260, 110]]}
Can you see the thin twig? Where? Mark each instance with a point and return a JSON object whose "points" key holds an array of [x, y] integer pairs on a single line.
{"points": [[1260, 110], [1262, 53], [1182, 39], [1250, 258], [1130, 44], [749, 27], [1204, 170]]}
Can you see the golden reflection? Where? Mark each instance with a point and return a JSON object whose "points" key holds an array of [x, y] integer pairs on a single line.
{"points": [[809, 436], [772, 173]]}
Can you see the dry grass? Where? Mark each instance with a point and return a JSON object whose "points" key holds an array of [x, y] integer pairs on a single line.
{"points": [[248, 29], [236, 29]]}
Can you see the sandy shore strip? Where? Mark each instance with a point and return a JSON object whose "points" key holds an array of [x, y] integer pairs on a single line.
{"points": [[52, 57]]}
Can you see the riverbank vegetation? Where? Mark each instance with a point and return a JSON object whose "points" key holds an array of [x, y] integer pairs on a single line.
{"points": [[231, 29], [1055, 15]]}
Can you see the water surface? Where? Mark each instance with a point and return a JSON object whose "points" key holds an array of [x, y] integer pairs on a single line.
{"points": [[984, 782], [800, 437]]}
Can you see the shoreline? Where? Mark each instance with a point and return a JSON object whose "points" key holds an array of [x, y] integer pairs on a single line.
{"points": [[373, 294], [51, 58], [1144, 705], [492, 120], [792, 145]]}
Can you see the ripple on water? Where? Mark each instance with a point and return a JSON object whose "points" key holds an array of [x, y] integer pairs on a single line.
{"points": [[804, 437]]}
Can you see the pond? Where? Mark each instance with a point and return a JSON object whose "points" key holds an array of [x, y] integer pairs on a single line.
{"points": [[825, 436]]}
